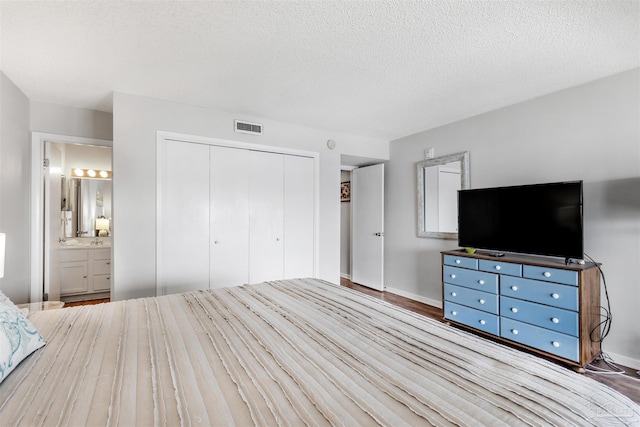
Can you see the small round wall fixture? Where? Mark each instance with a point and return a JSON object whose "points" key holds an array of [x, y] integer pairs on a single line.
{"points": [[331, 144]]}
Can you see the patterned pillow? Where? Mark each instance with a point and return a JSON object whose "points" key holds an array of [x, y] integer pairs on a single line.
{"points": [[18, 337]]}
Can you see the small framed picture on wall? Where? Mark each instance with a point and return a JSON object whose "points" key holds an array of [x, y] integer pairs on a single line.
{"points": [[345, 191]]}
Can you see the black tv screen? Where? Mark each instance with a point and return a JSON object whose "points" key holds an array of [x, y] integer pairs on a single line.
{"points": [[541, 219]]}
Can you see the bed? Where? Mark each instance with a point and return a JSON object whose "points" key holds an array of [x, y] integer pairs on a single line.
{"points": [[297, 352]]}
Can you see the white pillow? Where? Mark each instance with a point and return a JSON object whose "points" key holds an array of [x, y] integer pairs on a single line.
{"points": [[18, 337]]}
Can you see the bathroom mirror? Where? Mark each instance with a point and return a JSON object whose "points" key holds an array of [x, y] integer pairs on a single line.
{"points": [[438, 182], [85, 200]]}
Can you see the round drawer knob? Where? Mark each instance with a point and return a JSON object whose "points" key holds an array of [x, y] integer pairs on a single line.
{"points": [[482, 322], [514, 331], [498, 267], [481, 282], [555, 320], [457, 261], [454, 313], [453, 276], [555, 344], [514, 288], [546, 274], [453, 294], [481, 301], [514, 309], [555, 296]]}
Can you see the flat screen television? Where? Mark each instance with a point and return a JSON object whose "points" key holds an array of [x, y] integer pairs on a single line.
{"points": [[541, 219]]}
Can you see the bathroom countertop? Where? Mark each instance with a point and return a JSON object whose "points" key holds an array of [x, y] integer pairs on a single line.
{"points": [[85, 244]]}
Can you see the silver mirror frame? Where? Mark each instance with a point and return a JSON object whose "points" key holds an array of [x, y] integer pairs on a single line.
{"points": [[463, 157]]}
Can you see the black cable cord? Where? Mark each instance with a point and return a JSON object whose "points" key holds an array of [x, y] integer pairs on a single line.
{"points": [[605, 325]]}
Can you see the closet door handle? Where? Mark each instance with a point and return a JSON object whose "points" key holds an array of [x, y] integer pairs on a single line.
{"points": [[379, 234]]}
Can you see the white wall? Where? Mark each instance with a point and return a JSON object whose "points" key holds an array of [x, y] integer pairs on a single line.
{"points": [[135, 123], [84, 157], [63, 120], [590, 133], [345, 231], [15, 170]]}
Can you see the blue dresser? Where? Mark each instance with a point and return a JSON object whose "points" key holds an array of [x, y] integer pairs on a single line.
{"points": [[535, 303]]}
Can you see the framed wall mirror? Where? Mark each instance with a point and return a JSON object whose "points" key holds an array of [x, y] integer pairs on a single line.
{"points": [[438, 182]]}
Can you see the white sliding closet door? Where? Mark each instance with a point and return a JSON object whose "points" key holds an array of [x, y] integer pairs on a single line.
{"points": [[266, 216], [233, 215], [183, 217], [298, 217], [229, 199]]}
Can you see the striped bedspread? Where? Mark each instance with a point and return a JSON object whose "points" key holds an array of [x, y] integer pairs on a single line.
{"points": [[298, 352]]}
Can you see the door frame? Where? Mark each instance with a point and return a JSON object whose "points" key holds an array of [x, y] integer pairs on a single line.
{"points": [[36, 208], [162, 136]]}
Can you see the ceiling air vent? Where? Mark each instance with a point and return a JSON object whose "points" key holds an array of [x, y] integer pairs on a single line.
{"points": [[246, 127]]}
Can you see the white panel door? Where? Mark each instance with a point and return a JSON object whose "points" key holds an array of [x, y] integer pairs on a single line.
{"points": [[298, 217], [229, 216], [183, 217], [266, 216], [367, 210]]}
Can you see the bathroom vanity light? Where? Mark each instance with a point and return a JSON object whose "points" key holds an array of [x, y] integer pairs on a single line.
{"points": [[91, 173]]}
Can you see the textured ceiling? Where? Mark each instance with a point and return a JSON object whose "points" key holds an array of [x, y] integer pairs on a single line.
{"points": [[383, 69]]}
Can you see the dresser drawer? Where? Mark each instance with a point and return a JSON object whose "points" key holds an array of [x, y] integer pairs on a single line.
{"points": [[74, 255], [102, 283], [553, 294], [471, 298], [102, 254], [557, 275], [474, 279], [508, 268], [460, 261], [475, 318], [102, 267], [552, 342], [557, 319]]}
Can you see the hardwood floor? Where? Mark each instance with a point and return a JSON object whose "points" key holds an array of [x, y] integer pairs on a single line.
{"points": [[89, 302], [626, 382]]}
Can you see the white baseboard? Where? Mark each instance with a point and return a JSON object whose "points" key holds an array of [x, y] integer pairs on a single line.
{"points": [[624, 360], [345, 276], [425, 300]]}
